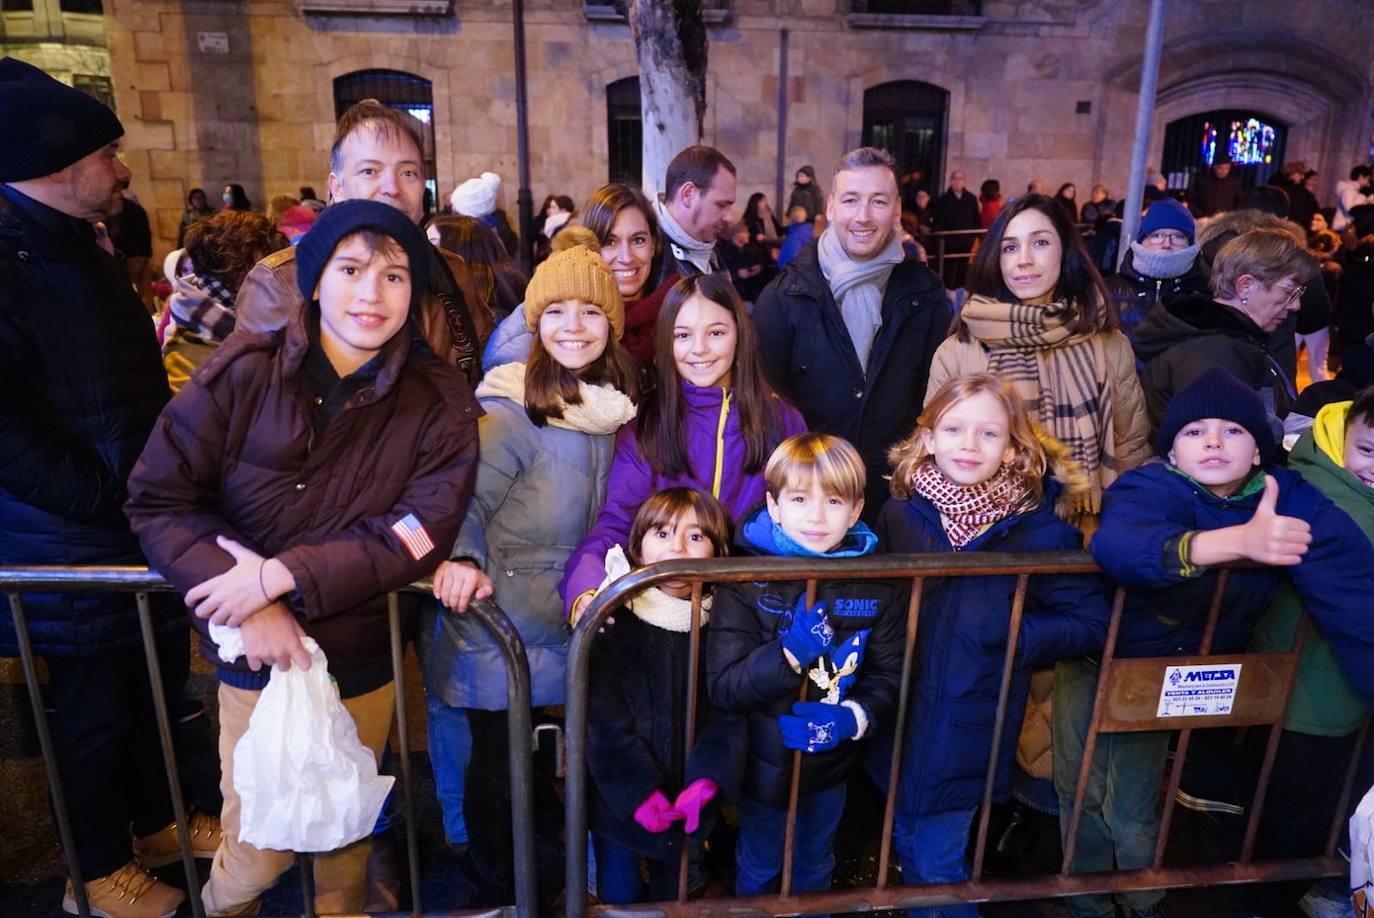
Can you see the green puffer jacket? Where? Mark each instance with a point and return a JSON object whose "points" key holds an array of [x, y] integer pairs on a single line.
{"points": [[1323, 703]]}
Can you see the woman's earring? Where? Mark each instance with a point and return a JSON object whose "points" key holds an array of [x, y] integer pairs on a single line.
{"points": [[1245, 301]]}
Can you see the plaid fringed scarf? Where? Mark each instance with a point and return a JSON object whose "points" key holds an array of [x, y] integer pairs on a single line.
{"points": [[1061, 377], [966, 510], [211, 317]]}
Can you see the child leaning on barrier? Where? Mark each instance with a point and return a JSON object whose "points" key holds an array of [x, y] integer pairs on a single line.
{"points": [[1165, 526], [977, 475], [635, 739], [766, 643], [297, 478]]}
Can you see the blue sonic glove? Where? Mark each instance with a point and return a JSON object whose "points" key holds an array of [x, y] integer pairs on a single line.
{"points": [[816, 727], [807, 634]]}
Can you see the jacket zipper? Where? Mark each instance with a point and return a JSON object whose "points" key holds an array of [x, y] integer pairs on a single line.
{"points": [[720, 444]]}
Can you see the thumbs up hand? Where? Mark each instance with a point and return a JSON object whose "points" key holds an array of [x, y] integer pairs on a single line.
{"points": [[1270, 538]]}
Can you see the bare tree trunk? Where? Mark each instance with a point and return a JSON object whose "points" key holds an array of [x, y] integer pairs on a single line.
{"points": [[670, 45]]}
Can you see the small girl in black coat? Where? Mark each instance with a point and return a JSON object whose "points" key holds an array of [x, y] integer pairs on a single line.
{"points": [[635, 741]]}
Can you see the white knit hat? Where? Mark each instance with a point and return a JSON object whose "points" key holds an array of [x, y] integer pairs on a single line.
{"points": [[477, 196]]}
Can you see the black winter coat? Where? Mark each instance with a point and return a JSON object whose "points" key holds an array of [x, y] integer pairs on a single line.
{"points": [[1184, 338], [1135, 294], [747, 672], [81, 385], [809, 357], [635, 738]]}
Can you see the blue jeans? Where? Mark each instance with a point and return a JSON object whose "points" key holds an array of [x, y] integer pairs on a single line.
{"points": [[758, 853], [617, 874], [1120, 821], [932, 849], [450, 748]]}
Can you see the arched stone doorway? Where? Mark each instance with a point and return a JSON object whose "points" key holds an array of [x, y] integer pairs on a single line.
{"points": [[1254, 142], [908, 118]]}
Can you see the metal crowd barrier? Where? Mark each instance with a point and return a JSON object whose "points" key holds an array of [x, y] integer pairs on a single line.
{"points": [[140, 581], [1126, 692], [941, 239]]}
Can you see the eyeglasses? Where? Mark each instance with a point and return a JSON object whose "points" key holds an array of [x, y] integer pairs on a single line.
{"points": [[1294, 293], [1162, 236]]}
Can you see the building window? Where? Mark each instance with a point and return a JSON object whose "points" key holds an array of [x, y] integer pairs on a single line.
{"points": [[907, 119], [97, 87], [917, 7], [1254, 142], [82, 6], [395, 89], [625, 131], [16, 6]]}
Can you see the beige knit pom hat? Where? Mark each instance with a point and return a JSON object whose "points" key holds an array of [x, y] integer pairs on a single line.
{"points": [[575, 271]]}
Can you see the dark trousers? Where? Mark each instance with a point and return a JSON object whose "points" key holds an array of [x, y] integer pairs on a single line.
{"points": [[617, 874], [108, 755], [487, 802]]}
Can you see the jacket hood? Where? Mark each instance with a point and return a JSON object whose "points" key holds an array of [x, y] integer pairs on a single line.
{"points": [[1190, 317], [1319, 456], [758, 535], [1328, 430]]}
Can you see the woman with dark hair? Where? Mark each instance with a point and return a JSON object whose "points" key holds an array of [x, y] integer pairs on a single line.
{"points": [[499, 283], [762, 222], [1067, 198], [711, 423], [989, 201], [197, 208], [624, 220], [1063, 354], [221, 249], [558, 211], [235, 198]]}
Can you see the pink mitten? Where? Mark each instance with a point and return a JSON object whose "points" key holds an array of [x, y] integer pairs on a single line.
{"points": [[692, 800], [656, 814]]}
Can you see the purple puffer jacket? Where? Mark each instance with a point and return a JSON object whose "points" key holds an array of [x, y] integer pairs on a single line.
{"points": [[711, 452]]}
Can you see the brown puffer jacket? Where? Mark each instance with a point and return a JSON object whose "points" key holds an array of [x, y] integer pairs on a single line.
{"points": [[454, 319], [1035, 747], [235, 454]]}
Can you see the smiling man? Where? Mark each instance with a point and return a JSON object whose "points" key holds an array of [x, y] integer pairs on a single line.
{"points": [[848, 329]]}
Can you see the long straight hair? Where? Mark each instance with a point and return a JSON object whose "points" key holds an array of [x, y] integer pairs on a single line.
{"points": [[550, 386], [1080, 285], [660, 434]]}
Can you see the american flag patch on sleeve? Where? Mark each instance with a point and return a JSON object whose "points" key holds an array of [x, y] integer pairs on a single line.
{"points": [[413, 536]]}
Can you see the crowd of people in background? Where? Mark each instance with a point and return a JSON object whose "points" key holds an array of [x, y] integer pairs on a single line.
{"points": [[340, 399]]}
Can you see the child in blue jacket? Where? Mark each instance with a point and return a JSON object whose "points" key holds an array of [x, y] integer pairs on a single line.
{"points": [[765, 643], [1163, 528], [977, 475]]}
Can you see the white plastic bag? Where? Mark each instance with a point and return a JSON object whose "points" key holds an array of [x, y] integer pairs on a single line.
{"points": [[304, 779], [1361, 852]]}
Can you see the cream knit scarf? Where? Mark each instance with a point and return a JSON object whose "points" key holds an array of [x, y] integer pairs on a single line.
{"points": [[603, 409], [653, 606]]}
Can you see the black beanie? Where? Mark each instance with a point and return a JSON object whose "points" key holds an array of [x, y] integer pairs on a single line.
{"points": [[1217, 393], [348, 217], [48, 125]]}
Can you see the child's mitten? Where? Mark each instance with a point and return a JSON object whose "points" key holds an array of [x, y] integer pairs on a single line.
{"points": [[656, 814], [693, 800], [816, 727], [807, 633]]}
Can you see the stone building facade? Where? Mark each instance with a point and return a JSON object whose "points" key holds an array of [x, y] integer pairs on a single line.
{"points": [[216, 91]]}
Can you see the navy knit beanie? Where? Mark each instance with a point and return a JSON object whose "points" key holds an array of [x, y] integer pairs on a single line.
{"points": [[337, 221], [1168, 213], [48, 124], [1217, 393]]}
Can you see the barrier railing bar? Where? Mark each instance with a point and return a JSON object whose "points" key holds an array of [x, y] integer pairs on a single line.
{"points": [[1018, 605], [305, 863], [1090, 741], [169, 757], [789, 831], [913, 614], [690, 730], [1338, 820], [393, 614], [45, 744], [1186, 733], [1271, 748]]}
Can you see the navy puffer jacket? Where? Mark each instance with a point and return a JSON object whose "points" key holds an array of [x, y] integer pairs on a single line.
{"points": [[1145, 512], [962, 641], [81, 385]]}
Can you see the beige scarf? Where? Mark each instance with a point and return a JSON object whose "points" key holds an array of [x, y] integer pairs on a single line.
{"points": [[603, 409], [653, 606], [1061, 377]]}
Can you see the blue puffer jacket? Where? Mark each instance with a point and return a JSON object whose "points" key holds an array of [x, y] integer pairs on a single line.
{"points": [[81, 385], [962, 642], [1145, 512]]}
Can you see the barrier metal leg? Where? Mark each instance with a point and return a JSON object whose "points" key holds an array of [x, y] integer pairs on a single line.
{"points": [[789, 832], [169, 757], [40, 722], [913, 613], [393, 610], [306, 864]]}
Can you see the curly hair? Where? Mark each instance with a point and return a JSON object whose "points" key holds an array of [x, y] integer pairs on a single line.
{"points": [[227, 245]]}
